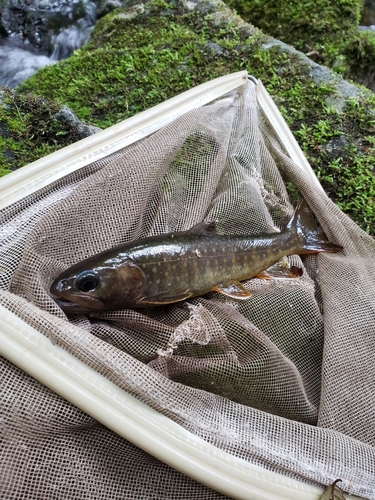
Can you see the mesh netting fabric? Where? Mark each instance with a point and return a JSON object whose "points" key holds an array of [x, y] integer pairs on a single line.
{"points": [[283, 379], [62, 453]]}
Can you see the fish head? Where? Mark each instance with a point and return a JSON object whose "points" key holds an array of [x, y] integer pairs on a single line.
{"points": [[84, 288]]}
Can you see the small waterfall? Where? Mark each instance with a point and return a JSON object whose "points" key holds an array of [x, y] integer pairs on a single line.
{"points": [[73, 35], [18, 61], [68, 29]]}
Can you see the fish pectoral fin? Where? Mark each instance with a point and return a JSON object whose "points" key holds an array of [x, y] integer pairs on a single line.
{"points": [[280, 270], [234, 290], [163, 299], [205, 227]]}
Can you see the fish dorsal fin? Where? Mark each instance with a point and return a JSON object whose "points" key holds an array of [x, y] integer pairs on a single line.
{"points": [[205, 227], [233, 290]]}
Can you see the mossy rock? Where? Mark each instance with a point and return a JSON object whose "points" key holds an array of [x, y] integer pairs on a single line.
{"points": [[325, 30], [32, 127], [144, 54]]}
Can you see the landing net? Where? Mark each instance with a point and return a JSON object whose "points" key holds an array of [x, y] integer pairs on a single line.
{"points": [[284, 379]]}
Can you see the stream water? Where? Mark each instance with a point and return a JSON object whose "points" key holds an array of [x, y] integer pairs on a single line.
{"points": [[68, 24], [67, 28]]}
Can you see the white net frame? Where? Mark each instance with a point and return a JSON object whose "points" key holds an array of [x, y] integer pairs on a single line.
{"points": [[327, 437]]}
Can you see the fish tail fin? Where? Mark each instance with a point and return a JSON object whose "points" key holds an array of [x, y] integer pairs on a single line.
{"points": [[304, 224]]}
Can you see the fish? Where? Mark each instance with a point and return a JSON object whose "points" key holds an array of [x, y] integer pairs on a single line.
{"points": [[176, 266]]}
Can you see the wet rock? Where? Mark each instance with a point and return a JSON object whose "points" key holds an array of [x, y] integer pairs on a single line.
{"points": [[4, 133], [214, 48], [106, 6], [65, 114], [368, 13], [37, 33], [336, 146]]}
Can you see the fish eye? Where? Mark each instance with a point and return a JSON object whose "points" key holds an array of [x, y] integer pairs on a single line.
{"points": [[87, 281]]}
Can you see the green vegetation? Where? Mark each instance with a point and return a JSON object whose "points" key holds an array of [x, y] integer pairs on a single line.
{"points": [[29, 130], [139, 57], [325, 30], [135, 62], [347, 177], [340, 146]]}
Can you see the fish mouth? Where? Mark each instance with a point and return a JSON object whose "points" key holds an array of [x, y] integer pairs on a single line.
{"points": [[67, 305], [79, 303]]}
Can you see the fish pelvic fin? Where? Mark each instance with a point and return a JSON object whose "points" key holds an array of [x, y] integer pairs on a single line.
{"points": [[304, 224]]}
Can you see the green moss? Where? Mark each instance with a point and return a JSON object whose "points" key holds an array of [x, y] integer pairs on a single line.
{"points": [[308, 25], [28, 130], [340, 146], [360, 54], [142, 56], [133, 63], [325, 30]]}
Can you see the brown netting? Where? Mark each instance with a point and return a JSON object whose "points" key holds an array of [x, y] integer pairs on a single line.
{"points": [[283, 379]]}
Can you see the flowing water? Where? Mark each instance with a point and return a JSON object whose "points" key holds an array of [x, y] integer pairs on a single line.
{"points": [[68, 28]]}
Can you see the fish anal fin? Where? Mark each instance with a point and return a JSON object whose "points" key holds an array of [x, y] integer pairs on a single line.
{"points": [[280, 270], [164, 300], [234, 290], [264, 275], [205, 227]]}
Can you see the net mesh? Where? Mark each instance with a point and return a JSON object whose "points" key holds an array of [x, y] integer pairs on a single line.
{"points": [[284, 379]]}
